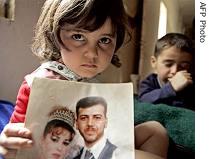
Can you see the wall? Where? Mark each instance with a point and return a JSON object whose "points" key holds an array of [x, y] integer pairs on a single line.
{"points": [[150, 30], [149, 35], [16, 59], [174, 17]]}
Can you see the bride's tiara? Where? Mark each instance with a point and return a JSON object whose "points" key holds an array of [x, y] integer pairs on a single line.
{"points": [[63, 114]]}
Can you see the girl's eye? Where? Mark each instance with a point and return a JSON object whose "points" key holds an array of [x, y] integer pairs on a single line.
{"points": [[54, 138], [78, 37], [105, 40], [66, 143]]}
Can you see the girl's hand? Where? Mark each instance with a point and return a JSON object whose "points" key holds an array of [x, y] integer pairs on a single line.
{"points": [[13, 137]]}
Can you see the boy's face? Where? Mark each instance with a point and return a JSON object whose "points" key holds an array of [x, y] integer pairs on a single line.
{"points": [[170, 61], [87, 53]]}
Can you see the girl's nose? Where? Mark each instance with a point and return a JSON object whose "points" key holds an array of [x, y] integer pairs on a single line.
{"points": [[92, 51], [59, 146]]}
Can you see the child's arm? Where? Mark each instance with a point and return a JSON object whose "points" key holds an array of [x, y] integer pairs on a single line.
{"points": [[13, 137], [152, 93], [21, 104], [181, 80]]}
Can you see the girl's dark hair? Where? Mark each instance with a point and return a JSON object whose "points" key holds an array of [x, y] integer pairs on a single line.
{"points": [[85, 14], [60, 116], [178, 40], [57, 123]]}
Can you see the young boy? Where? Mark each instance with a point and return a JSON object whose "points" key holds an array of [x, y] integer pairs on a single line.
{"points": [[172, 83]]}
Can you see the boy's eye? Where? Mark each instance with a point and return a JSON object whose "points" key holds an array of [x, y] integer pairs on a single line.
{"points": [[168, 64], [184, 66], [78, 37], [105, 40]]}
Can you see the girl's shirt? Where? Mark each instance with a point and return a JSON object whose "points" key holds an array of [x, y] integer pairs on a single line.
{"points": [[50, 69]]}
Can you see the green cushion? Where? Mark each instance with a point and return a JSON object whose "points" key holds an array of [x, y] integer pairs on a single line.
{"points": [[179, 122]]}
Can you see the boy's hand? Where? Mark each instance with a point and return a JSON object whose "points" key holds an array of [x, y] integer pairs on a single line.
{"points": [[14, 137], [181, 80]]}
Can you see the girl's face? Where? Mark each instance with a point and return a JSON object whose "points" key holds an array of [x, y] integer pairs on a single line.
{"points": [[56, 143], [87, 53]]}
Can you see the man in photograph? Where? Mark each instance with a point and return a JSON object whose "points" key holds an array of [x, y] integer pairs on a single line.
{"points": [[91, 122]]}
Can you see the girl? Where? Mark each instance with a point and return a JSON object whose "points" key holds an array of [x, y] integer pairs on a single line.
{"points": [[58, 133], [75, 40]]}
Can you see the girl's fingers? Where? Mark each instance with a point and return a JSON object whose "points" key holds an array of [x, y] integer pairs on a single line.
{"points": [[15, 142], [11, 153], [16, 130], [3, 151], [15, 136], [8, 153]]}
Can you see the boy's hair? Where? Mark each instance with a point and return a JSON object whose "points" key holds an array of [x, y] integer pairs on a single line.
{"points": [[178, 40], [91, 101], [85, 14]]}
